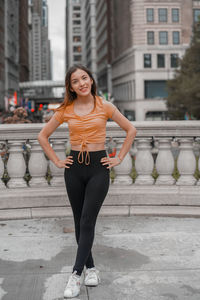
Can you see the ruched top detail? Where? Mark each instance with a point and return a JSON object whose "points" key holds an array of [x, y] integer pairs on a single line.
{"points": [[89, 128]]}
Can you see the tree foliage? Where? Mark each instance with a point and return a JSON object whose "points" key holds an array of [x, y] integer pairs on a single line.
{"points": [[184, 89]]}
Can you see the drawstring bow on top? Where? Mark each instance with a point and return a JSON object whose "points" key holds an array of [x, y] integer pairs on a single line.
{"points": [[81, 155]]}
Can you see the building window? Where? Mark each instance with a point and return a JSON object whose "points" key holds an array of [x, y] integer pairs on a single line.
{"points": [[77, 38], [162, 14], [156, 116], [161, 60], [130, 115], [147, 60], [155, 89], [76, 8], [76, 22], [176, 38], [77, 58], [174, 60], [175, 15], [150, 37], [77, 49], [76, 30], [150, 14], [196, 15], [163, 37], [76, 15]]}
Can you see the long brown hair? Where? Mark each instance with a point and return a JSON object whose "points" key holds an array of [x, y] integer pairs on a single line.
{"points": [[71, 96]]}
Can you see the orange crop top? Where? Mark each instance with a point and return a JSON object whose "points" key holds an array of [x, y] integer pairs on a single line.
{"points": [[90, 128]]}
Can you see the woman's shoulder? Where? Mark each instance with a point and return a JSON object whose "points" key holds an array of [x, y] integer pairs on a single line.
{"points": [[107, 106], [62, 112]]}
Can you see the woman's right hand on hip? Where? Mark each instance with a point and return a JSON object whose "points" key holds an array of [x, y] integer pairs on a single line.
{"points": [[62, 163]]}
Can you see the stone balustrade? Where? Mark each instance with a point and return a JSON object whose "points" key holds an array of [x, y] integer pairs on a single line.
{"points": [[158, 148]]}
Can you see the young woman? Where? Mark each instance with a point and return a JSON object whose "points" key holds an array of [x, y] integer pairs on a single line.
{"points": [[87, 168]]}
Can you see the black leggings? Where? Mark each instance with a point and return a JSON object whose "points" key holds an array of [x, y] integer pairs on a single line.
{"points": [[87, 186]]}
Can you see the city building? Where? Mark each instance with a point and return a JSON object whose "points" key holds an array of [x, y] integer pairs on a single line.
{"points": [[46, 46], [147, 42], [23, 41], [39, 44], [11, 48], [104, 45], [88, 8], [73, 33], [2, 58]]}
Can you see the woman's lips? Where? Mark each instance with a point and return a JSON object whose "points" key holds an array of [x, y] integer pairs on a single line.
{"points": [[83, 89]]}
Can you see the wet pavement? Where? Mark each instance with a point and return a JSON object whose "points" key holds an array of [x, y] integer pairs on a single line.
{"points": [[139, 258]]}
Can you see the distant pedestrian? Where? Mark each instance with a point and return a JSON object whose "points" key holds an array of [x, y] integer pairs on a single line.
{"points": [[87, 167]]}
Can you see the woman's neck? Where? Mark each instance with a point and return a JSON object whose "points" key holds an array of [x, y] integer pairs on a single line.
{"points": [[85, 99]]}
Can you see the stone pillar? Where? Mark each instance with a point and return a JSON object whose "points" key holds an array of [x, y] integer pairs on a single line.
{"points": [[2, 185], [144, 162], [58, 173], [165, 162], [186, 162], [123, 170], [16, 166], [198, 143], [37, 165]]}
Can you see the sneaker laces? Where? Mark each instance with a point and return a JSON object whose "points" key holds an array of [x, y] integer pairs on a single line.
{"points": [[73, 280], [92, 273]]}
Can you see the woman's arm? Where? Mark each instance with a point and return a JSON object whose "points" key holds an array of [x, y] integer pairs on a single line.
{"points": [[43, 136], [125, 124]]}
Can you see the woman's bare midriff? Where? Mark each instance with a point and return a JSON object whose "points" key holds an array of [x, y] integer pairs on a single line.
{"points": [[90, 147]]}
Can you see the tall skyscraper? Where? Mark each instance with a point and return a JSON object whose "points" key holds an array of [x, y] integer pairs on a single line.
{"points": [[39, 54], [11, 31], [2, 57], [73, 33], [89, 35], [46, 60], [104, 45], [23, 41]]}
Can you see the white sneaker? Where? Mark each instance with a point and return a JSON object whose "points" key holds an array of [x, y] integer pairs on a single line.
{"points": [[92, 277], [73, 286]]}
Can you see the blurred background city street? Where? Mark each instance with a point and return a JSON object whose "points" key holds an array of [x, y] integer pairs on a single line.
{"points": [[134, 49]]}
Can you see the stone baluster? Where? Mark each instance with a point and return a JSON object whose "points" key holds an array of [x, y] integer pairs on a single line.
{"points": [[133, 149], [58, 173], [16, 165], [186, 162], [123, 170], [198, 146], [144, 162], [2, 185], [37, 165], [165, 162]]}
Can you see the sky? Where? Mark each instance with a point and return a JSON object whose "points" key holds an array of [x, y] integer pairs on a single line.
{"points": [[57, 37]]}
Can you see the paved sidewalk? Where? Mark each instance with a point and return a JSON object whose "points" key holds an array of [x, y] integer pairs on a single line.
{"points": [[139, 258]]}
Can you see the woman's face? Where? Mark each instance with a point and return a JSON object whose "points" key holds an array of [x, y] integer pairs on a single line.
{"points": [[81, 83]]}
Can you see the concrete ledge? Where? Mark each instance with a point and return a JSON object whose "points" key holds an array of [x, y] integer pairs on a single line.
{"points": [[49, 212], [22, 203], [172, 211], [8, 214], [117, 195], [114, 210], [52, 212]]}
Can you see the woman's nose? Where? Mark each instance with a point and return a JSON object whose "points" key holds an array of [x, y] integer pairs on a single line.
{"points": [[81, 82]]}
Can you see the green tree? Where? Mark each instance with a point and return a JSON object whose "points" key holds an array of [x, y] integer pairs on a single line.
{"points": [[184, 90]]}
